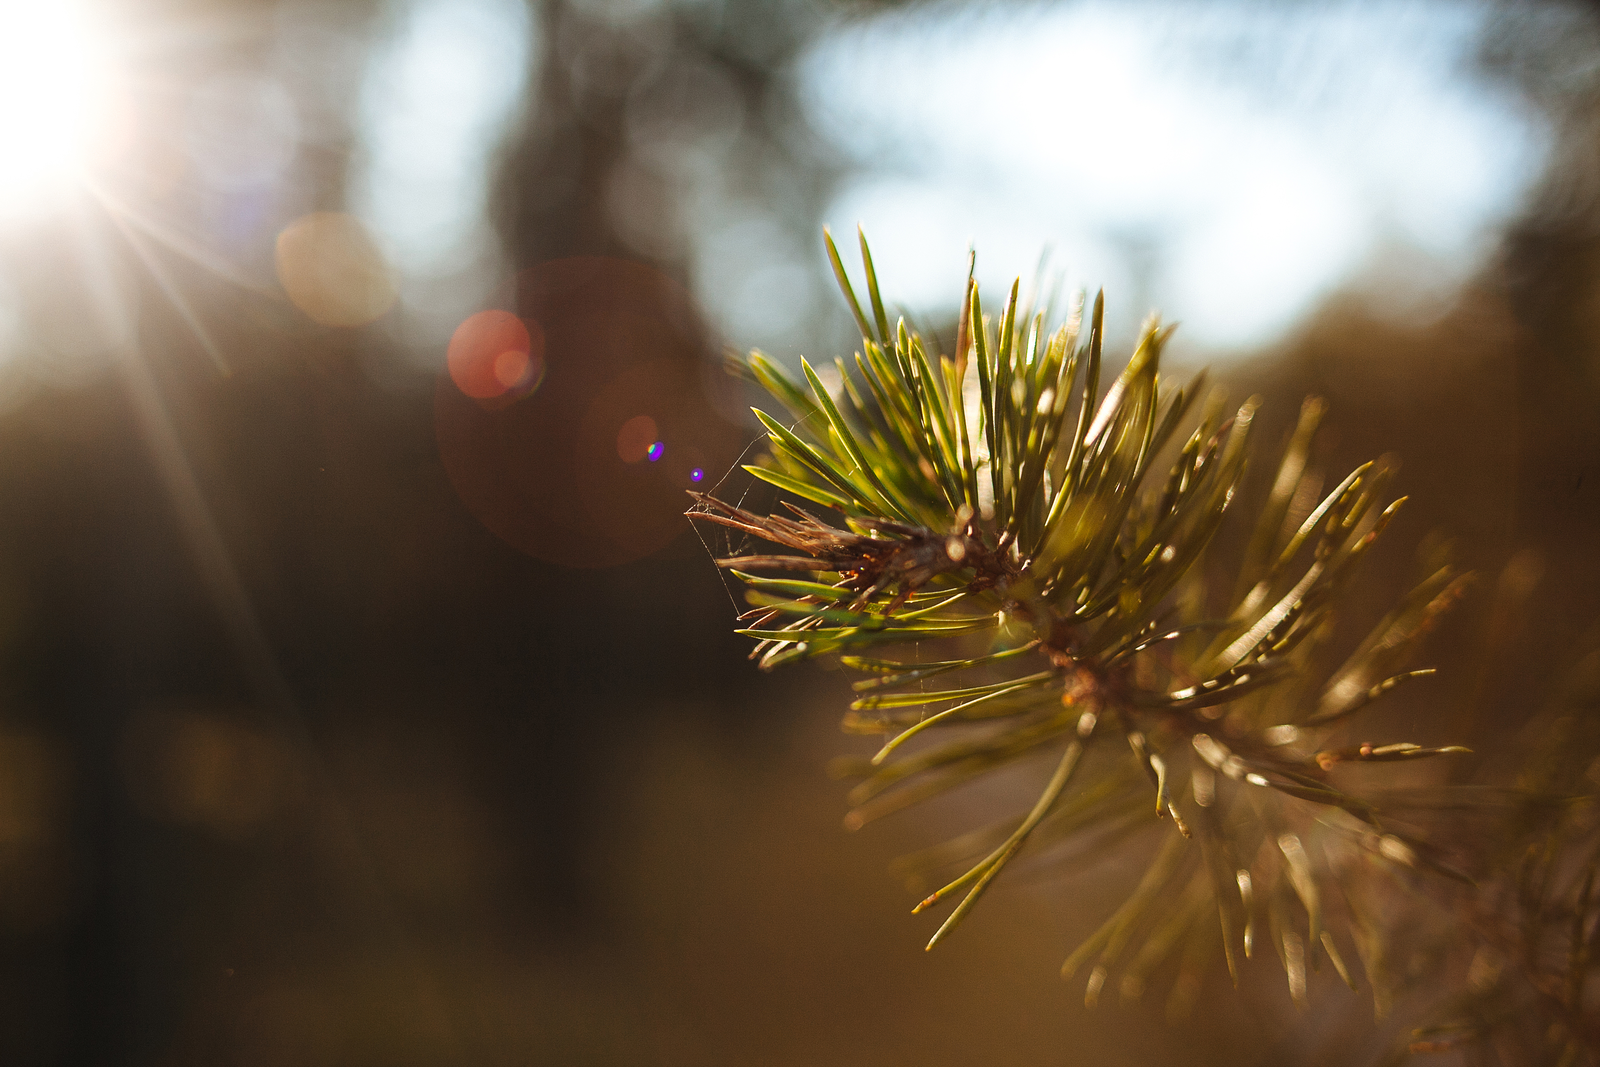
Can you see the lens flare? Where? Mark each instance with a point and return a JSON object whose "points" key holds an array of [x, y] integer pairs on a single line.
{"points": [[494, 353], [636, 438], [563, 474], [332, 270], [511, 367]]}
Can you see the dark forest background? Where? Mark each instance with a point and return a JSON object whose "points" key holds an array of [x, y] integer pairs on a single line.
{"points": [[316, 747]]}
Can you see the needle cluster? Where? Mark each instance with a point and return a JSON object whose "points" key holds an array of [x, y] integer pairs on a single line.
{"points": [[1013, 554]]}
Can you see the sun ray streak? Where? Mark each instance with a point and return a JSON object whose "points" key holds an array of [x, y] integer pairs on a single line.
{"points": [[170, 290], [127, 214], [370, 900]]}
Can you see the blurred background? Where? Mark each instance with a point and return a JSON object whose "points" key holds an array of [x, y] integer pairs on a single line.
{"points": [[365, 698]]}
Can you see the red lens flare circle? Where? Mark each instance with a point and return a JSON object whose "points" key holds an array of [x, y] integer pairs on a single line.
{"points": [[494, 353]]}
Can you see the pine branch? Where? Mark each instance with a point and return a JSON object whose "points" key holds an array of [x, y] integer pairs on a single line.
{"points": [[1050, 538]]}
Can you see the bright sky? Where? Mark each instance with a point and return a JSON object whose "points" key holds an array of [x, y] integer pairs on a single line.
{"points": [[437, 99], [1229, 163]]}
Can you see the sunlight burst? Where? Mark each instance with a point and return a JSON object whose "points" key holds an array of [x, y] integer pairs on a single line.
{"points": [[52, 93]]}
